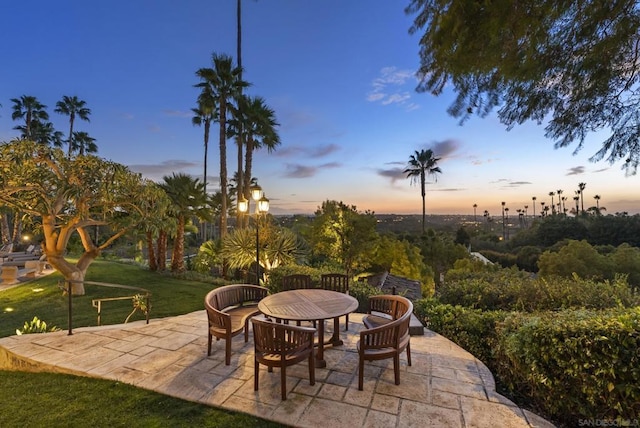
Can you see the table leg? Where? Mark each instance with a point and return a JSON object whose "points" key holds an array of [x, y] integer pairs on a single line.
{"points": [[320, 362], [335, 339]]}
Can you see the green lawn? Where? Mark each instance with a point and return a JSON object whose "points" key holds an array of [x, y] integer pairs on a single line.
{"points": [[51, 400], [43, 298]]}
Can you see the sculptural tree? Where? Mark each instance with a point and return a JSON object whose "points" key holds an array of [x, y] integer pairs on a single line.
{"points": [[66, 195]]}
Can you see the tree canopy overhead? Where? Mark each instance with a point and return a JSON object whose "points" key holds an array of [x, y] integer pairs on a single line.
{"points": [[574, 64]]}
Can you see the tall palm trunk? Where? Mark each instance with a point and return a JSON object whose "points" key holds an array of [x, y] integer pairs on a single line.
{"points": [[240, 136], [248, 166], [207, 126], [423, 191], [153, 262], [162, 250], [72, 117], [177, 255], [223, 167]]}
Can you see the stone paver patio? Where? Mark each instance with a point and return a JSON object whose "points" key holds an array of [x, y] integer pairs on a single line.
{"points": [[445, 387]]}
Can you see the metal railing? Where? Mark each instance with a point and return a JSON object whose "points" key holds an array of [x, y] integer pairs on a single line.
{"points": [[66, 286]]}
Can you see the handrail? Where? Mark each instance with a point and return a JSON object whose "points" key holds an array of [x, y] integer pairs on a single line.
{"points": [[64, 285]]}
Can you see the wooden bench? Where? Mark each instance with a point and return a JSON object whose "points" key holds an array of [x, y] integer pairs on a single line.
{"points": [[10, 274], [229, 309], [388, 339]]}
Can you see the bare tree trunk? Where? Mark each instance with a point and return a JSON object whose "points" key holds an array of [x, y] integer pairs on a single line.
{"points": [[17, 228], [5, 232]]}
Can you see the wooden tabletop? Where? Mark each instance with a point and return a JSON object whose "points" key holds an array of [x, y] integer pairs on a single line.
{"points": [[307, 305]]}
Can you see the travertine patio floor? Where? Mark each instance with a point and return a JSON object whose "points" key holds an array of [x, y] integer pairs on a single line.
{"points": [[445, 387]]}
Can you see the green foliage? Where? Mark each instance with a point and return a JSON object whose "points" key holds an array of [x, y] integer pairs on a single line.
{"points": [[580, 258], [208, 257], [510, 289], [403, 259], [472, 329], [557, 62], [527, 258], [440, 252], [54, 400], [341, 232], [278, 246], [35, 326], [503, 259], [361, 290], [274, 281], [574, 364]]}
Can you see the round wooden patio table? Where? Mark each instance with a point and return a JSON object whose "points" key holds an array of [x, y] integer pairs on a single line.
{"points": [[310, 305]]}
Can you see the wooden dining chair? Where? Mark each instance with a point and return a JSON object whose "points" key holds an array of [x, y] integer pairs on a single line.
{"points": [[385, 341], [296, 282], [282, 345], [336, 282]]}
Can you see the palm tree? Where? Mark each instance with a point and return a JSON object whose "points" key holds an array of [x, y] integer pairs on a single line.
{"points": [[43, 133], [504, 235], [474, 212], [205, 113], [30, 109], [534, 206], [577, 199], [82, 143], [597, 198], [553, 206], [581, 187], [560, 199], [422, 164], [223, 81], [72, 107], [260, 132], [188, 199]]}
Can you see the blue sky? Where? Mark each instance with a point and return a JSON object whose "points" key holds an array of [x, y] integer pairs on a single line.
{"points": [[340, 77]]}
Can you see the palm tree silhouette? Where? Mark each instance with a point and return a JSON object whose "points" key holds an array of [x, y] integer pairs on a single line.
{"points": [[72, 107], [581, 187], [224, 83], [31, 110], [422, 164], [534, 206], [553, 206]]}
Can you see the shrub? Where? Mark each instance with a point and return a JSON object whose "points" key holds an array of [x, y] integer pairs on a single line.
{"points": [[472, 329], [275, 275], [361, 290], [510, 289], [36, 326], [575, 364]]}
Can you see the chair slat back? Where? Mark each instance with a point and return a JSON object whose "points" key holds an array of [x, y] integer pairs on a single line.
{"points": [[335, 282], [296, 282]]}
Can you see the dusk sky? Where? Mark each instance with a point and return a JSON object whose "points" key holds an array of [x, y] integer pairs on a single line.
{"points": [[340, 76]]}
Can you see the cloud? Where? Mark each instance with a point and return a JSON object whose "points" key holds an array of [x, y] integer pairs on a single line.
{"points": [[388, 88], [394, 174], [445, 148], [309, 152], [306, 171], [576, 170], [155, 172], [300, 171]]}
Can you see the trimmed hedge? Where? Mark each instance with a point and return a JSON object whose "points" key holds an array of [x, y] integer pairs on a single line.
{"points": [[472, 329], [510, 290], [569, 366], [574, 364]]}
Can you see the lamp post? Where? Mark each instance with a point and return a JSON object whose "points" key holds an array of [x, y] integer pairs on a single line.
{"points": [[262, 207]]}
